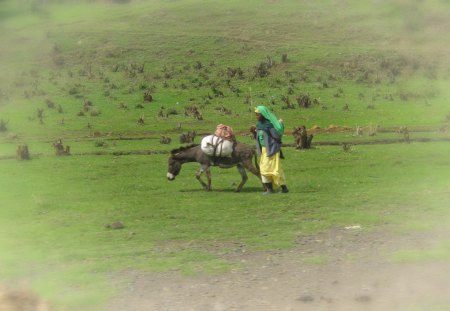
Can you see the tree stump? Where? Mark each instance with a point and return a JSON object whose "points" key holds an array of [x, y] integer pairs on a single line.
{"points": [[23, 153], [405, 132], [302, 139], [187, 137], [59, 148]]}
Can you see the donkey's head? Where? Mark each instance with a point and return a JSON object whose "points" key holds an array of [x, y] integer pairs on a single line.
{"points": [[174, 168], [178, 157]]}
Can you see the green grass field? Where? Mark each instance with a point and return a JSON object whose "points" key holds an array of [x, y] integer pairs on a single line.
{"points": [[375, 66]]}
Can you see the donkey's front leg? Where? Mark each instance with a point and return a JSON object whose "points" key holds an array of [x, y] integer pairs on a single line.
{"points": [[198, 175]]}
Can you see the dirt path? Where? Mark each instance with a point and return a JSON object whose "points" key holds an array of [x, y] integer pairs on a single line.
{"points": [[343, 269]]}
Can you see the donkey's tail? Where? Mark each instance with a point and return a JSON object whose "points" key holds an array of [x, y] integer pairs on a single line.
{"points": [[256, 161]]}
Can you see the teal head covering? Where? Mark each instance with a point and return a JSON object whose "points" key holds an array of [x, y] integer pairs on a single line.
{"points": [[270, 117]]}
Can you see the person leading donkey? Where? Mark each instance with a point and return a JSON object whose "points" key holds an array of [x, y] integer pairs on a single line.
{"points": [[268, 134]]}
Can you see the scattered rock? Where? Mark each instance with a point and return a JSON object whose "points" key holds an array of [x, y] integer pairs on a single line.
{"points": [[115, 225], [363, 299], [353, 227], [326, 299], [306, 298]]}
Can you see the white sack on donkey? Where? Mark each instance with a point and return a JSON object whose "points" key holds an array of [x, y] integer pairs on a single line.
{"points": [[216, 146]]}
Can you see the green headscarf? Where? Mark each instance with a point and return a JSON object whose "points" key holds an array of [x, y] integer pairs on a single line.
{"points": [[279, 126]]}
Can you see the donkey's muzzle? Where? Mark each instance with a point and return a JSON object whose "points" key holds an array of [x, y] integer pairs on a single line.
{"points": [[170, 176]]}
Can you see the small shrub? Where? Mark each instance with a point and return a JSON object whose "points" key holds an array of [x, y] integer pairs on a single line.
{"points": [[50, 104], [262, 70], [172, 111], [94, 112], [3, 124], [143, 85], [40, 115], [23, 153], [141, 120], [99, 143], [304, 101], [346, 147], [148, 97], [198, 65]]}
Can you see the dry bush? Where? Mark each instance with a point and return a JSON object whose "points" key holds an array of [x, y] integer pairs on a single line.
{"points": [[40, 115], [50, 104], [87, 104], [405, 132], [193, 111], [223, 109], [148, 97], [60, 150], [3, 124], [94, 112], [165, 140], [217, 92], [304, 101], [346, 147], [141, 120], [187, 137]]}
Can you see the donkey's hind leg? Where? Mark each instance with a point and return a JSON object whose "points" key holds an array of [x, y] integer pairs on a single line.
{"points": [[199, 173], [244, 176]]}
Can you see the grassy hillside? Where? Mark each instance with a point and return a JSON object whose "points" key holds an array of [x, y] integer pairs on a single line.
{"points": [[385, 61]]}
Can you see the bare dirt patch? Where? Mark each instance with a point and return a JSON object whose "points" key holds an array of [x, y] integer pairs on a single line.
{"points": [[20, 300], [342, 269]]}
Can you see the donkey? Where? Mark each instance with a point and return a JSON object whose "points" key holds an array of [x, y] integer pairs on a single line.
{"points": [[241, 158]]}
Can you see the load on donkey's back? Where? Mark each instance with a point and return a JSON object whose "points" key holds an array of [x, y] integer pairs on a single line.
{"points": [[221, 143]]}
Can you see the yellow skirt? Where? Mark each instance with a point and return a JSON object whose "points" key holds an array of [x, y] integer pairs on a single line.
{"points": [[271, 170]]}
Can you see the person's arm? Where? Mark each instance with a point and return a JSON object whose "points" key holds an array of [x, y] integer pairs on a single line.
{"points": [[274, 134]]}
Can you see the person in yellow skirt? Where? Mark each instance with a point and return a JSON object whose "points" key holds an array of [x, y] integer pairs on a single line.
{"points": [[268, 134]]}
